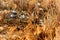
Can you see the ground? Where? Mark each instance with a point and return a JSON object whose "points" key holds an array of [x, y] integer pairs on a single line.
{"points": [[29, 19]]}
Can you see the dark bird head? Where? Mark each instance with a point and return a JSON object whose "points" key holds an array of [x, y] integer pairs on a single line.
{"points": [[13, 14]]}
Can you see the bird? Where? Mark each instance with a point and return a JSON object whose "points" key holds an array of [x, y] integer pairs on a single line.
{"points": [[13, 14]]}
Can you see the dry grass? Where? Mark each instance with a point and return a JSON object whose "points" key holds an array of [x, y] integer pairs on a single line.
{"points": [[41, 23]]}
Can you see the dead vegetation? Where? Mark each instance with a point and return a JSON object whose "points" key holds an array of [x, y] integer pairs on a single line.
{"points": [[28, 20]]}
